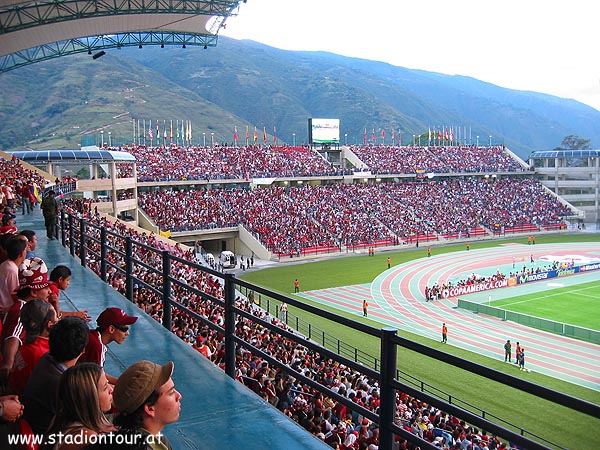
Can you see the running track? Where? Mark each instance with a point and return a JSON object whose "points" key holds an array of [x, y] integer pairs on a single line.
{"points": [[396, 299]]}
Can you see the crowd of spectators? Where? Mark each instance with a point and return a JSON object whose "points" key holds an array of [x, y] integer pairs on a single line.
{"points": [[338, 425], [222, 162], [435, 159], [18, 186], [289, 219], [225, 162]]}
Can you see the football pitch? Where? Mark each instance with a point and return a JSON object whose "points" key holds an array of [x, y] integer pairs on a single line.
{"points": [[339, 284], [575, 305]]}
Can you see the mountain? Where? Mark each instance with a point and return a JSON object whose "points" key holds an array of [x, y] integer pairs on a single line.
{"points": [[242, 84]]}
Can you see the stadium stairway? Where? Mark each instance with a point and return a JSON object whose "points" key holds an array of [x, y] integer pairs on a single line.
{"points": [[218, 413]]}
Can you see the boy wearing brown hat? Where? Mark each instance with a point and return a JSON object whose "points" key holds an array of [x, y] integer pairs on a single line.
{"points": [[113, 326], [146, 400]]}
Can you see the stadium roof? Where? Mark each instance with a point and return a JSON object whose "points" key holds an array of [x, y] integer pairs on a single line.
{"points": [[32, 31], [565, 154], [72, 156]]}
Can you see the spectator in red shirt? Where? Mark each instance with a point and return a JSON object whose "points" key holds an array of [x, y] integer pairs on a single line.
{"points": [[37, 317], [113, 326], [60, 278], [33, 279]]}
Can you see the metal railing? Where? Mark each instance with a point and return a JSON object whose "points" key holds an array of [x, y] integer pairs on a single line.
{"points": [[115, 256]]}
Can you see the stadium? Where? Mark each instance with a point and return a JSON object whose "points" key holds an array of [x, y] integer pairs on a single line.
{"points": [[344, 262], [321, 295]]}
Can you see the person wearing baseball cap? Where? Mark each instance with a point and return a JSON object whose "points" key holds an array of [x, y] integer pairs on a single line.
{"points": [[113, 326], [146, 401], [8, 224]]}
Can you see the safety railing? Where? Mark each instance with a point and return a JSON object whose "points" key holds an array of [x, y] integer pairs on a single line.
{"points": [[140, 270]]}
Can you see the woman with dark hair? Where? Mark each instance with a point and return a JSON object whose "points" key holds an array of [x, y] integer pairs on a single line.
{"points": [[83, 395]]}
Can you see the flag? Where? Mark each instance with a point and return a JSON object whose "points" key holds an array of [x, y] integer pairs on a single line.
{"points": [[36, 194], [274, 135], [165, 132], [157, 131], [429, 136], [255, 135], [150, 135], [373, 135], [177, 128], [264, 135], [383, 135], [247, 135], [171, 130], [393, 136], [182, 131], [365, 138]]}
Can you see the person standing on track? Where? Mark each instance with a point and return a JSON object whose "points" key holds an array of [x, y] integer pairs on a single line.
{"points": [[365, 308], [507, 351], [521, 359], [296, 286], [444, 333]]}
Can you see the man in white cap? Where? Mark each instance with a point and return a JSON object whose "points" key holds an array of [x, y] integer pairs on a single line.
{"points": [[146, 400]]}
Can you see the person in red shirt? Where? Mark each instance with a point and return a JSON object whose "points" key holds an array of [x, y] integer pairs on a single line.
{"points": [[37, 317], [60, 278], [33, 278], [8, 224], [113, 326]]}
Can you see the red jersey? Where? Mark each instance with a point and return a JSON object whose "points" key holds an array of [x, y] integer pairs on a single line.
{"points": [[25, 360], [95, 351], [53, 297], [12, 326]]}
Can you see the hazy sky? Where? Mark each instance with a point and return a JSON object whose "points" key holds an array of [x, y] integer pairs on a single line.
{"points": [[543, 46]]}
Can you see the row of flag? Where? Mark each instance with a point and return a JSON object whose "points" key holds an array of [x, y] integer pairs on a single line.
{"points": [[440, 135], [180, 131], [172, 132], [254, 135]]}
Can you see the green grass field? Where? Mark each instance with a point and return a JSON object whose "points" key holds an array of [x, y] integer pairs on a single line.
{"points": [[575, 305], [564, 426]]}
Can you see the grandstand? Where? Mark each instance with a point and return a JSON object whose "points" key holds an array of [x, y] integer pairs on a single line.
{"points": [[193, 310], [252, 197]]}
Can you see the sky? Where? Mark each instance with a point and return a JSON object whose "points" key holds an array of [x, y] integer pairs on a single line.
{"points": [[542, 46]]}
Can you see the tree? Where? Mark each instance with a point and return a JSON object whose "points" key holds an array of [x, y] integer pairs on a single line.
{"points": [[572, 142]]}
